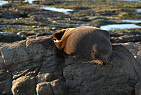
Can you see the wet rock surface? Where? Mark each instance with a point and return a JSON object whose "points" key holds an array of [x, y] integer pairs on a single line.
{"points": [[33, 66]]}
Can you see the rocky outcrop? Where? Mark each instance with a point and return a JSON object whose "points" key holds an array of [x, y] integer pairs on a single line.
{"points": [[35, 67], [125, 39], [5, 82], [12, 37], [12, 12], [135, 49], [117, 77]]}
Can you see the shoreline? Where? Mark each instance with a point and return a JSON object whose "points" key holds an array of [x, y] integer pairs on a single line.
{"points": [[24, 17]]}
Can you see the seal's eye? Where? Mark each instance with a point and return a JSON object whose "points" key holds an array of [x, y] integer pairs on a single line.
{"points": [[104, 63]]}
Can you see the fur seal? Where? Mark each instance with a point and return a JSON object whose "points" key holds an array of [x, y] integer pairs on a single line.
{"points": [[90, 42]]}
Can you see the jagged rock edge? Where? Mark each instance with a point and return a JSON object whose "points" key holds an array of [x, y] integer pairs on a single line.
{"points": [[3, 63]]}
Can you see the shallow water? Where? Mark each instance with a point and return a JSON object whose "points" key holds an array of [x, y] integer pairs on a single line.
{"points": [[3, 2], [2, 32], [30, 1], [133, 0], [138, 10], [56, 9], [119, 26], [131, 21]]}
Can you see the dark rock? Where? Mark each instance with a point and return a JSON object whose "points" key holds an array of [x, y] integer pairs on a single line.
{"points": [[6, 16], [24, 84], [127, 10], [30, 34], [11, 37], [43, 34], [44, 88], [88, 79], [1, 36], [50, 88], [22, 33], [31, 37], [124, 39], [5, 83], [9, 53], [113, 34], [7, 5], [10, 14], [100, 22], [51, 2], [35, 2], [23, 14], [134, 48], [13, 12], [81, 8], [108, 13], [138, 88], [36, 69]]}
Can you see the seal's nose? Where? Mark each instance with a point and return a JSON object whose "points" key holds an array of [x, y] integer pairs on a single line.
{"points": [[104, 63]]}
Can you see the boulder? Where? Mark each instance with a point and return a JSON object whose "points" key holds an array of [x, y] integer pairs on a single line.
{"points": [[14, 53], [35, 66], [135, 49], [44, 88], [24, 85], [118, 77], [50, 88]]}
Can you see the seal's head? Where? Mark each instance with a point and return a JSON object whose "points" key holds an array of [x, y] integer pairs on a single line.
{"points": [[61, 37], [58, 35]]}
